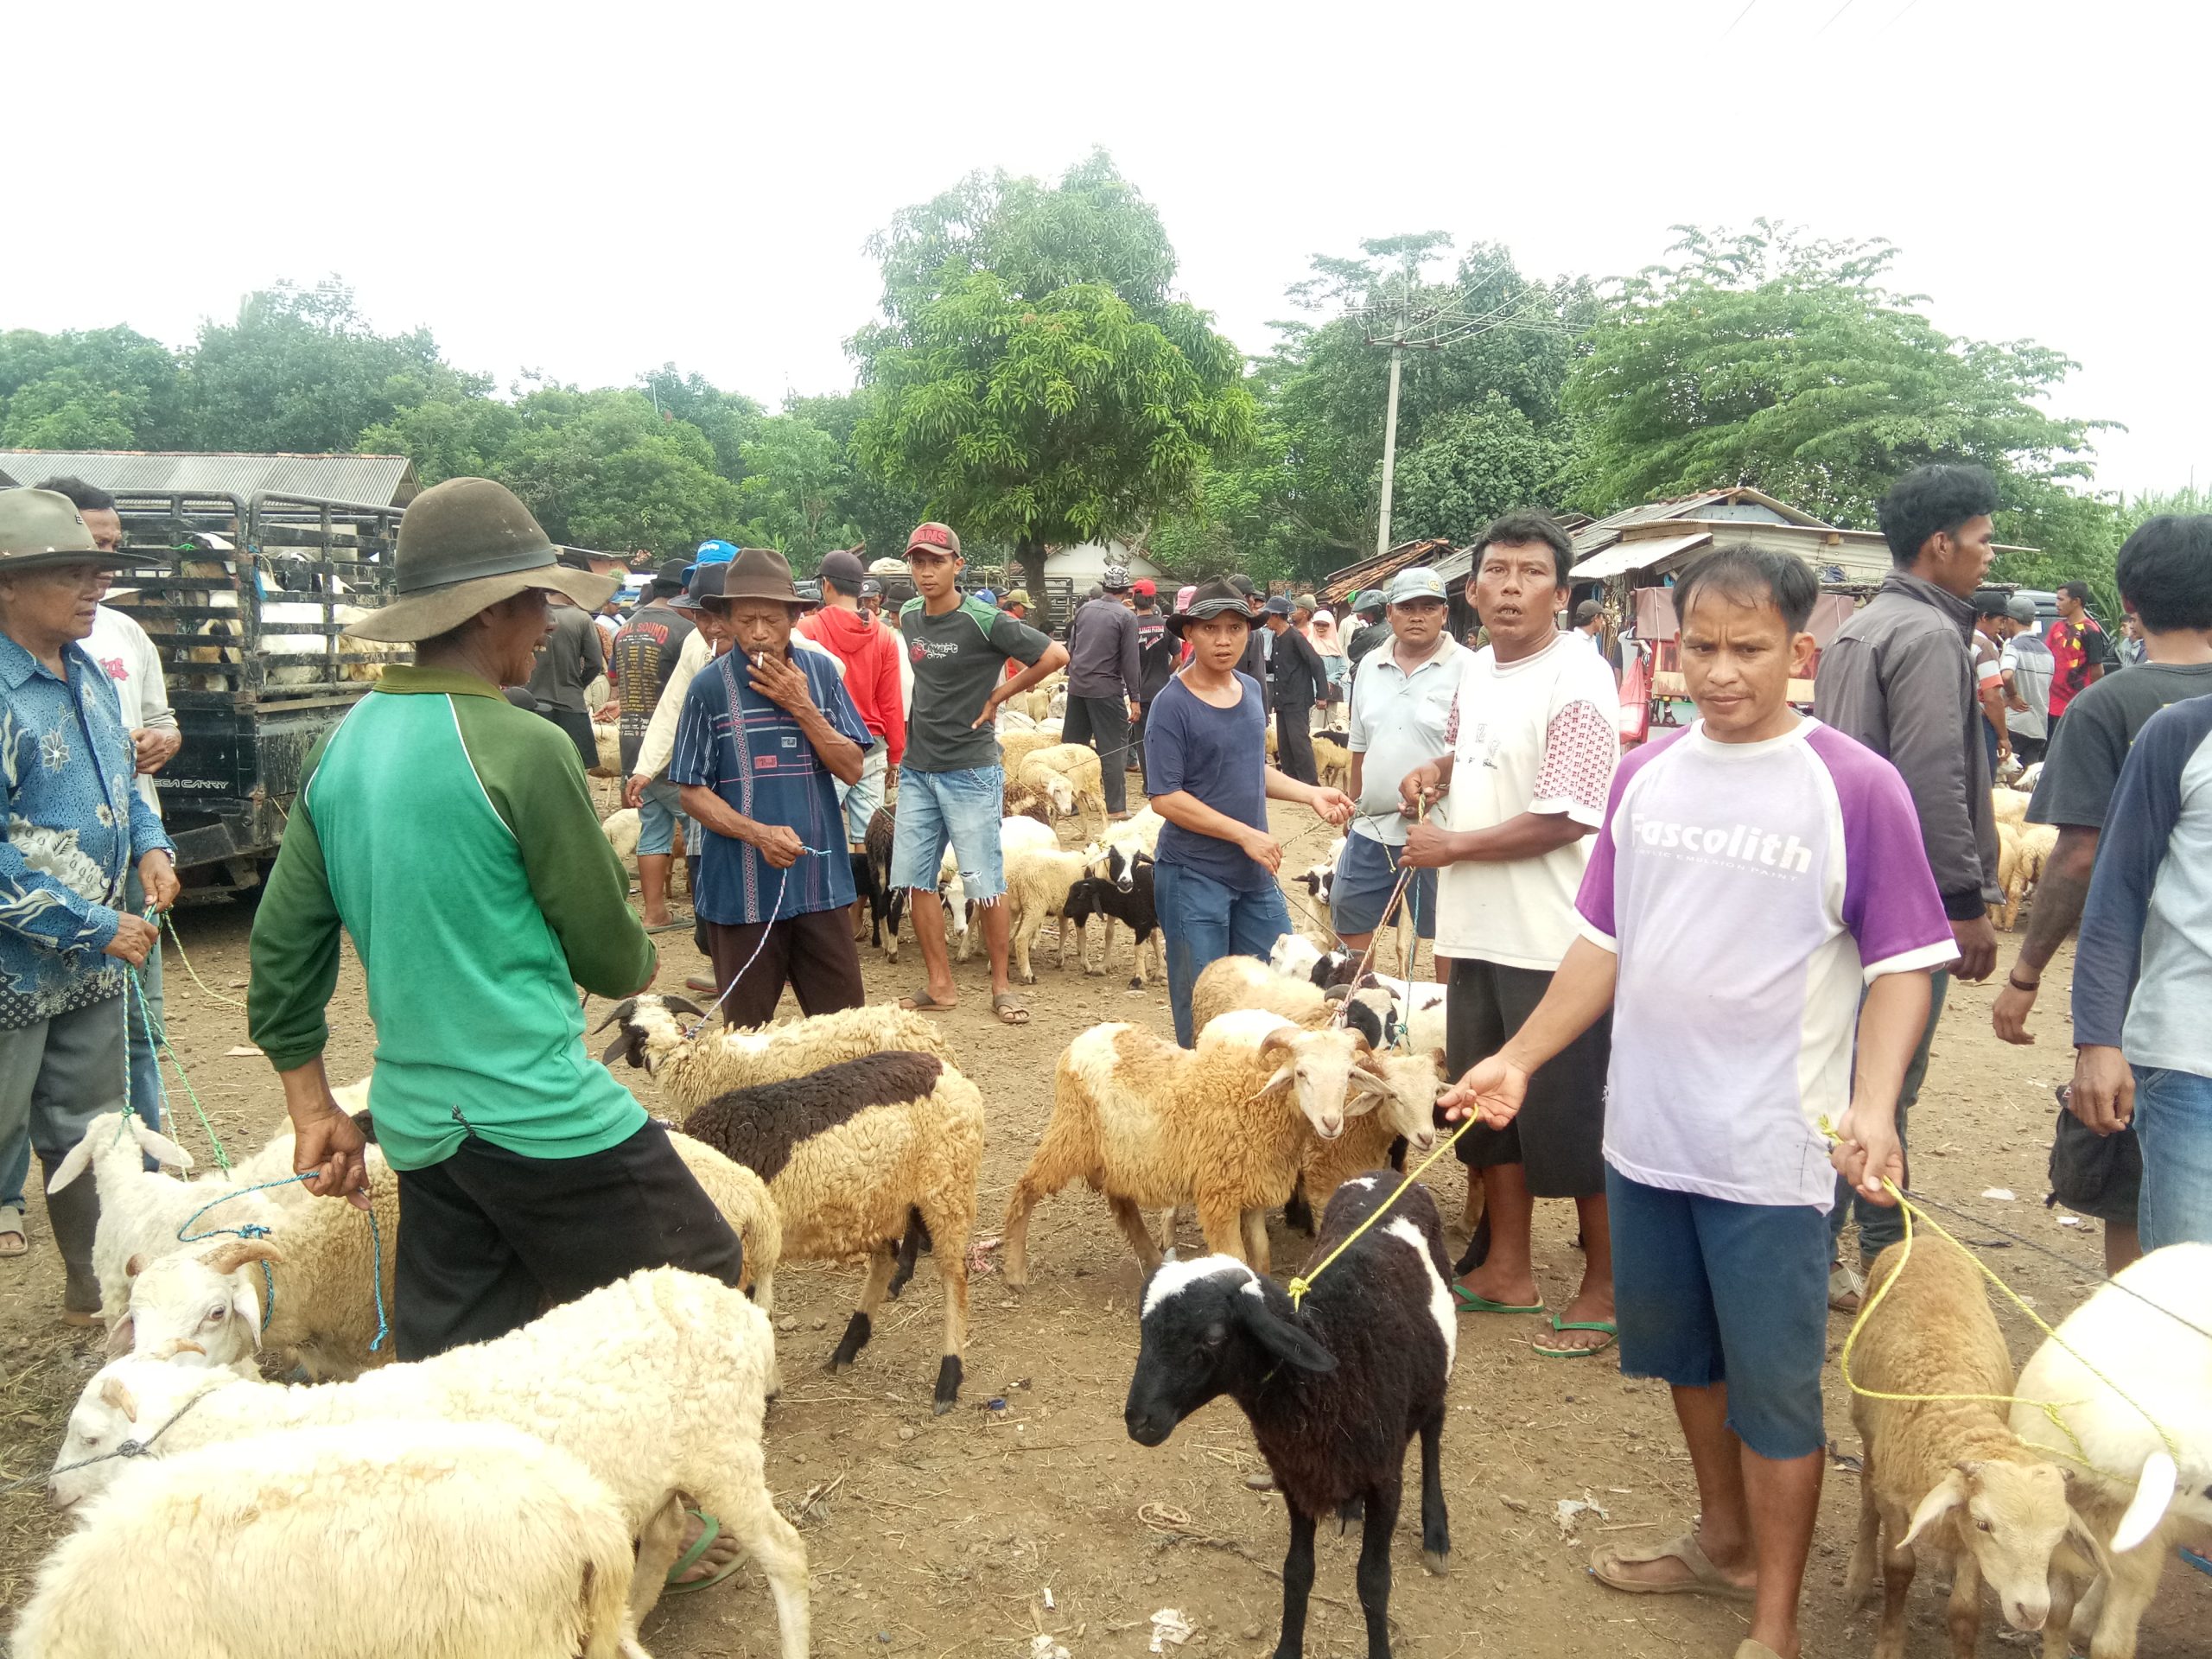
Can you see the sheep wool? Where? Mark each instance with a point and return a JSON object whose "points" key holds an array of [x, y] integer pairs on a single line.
{"points": [[1941, 1468], [693, 1073], [2132, 1329], [1232, 982], [858, 1157], [1152, 1126], [655, 1384], [1079, 764], [438, 1541], [1409, 1115], [1334, 1389], [1038, 880]]}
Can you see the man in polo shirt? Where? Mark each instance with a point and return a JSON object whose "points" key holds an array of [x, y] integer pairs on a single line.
{"points": [[952, 788], [1400, 710], [453, 837], [767, 733]]}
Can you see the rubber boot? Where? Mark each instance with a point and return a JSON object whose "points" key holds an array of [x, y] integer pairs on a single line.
{"points": [[74, 1214]]}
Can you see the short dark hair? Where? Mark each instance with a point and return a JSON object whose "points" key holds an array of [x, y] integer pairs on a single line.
{"points": [[2165, 572], [86, 497], [2076, 588], [1146, 601], [831, 585], [1526, 528], [1751, 576], [1987, 601], [1931, 501]]}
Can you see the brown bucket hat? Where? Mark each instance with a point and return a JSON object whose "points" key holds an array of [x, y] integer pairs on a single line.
{"points": [[760, 573], [465, 544], [40, 529]]}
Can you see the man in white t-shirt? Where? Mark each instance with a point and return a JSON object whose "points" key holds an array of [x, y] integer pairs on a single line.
{"points": [[1534, 736], [1754, 870]]}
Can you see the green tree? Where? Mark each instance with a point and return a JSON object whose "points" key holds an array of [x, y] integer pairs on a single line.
{"points": [[1768, 360], [729, 420], [1470, 464], [301, 370], [1494, 337], [453, 435], [602, 469], [95, 389], [880, 513], [796, 475], [1034, 379]]}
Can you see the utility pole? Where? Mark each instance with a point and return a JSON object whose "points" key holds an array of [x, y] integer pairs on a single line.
{"points": [[1389, 451]]}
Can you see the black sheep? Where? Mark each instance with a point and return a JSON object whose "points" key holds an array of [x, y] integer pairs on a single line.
{"points": [[1125, 895], [1333, 1390]]}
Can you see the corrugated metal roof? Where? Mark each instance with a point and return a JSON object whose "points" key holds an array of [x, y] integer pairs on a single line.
{"points": [[1605, 532], [1639, 554], [369, 481], [1375, 572]]}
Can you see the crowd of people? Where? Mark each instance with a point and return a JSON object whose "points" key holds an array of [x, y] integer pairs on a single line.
{"points": [[1665, 970]]}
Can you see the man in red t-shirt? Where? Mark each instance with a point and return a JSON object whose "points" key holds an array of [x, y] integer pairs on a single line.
{"points": [[870, 653], [2077, 650]]}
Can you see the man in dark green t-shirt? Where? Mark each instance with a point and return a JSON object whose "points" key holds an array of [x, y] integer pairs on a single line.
{"points": [[950, 787]]}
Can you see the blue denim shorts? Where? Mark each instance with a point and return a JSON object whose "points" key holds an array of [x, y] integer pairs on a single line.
{"points": [[659, 811], [1366, 875], [963, 808], [2173, 1122], [1708, 1291]]}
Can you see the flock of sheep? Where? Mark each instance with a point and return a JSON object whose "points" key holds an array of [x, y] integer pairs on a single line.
{"points": [[526, 1497]]}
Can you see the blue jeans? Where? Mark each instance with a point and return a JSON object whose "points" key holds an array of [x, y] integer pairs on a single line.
{"points": [[659, 810], [1881, 1225], [964, 808], [2173, 1122], [1202, 921]]}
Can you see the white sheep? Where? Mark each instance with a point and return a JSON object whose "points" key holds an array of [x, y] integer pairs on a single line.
{"points": [[867, 1157], [207, 1303], [1079, 764], [273, 1161], [1420, 1006], [1230, 983], [1946, 1469], [1223, 1127], [142, 1214], [622, 829], [1409, 1112], [2022, 854], [437, 1540], [655, 1384], [693, 1073], [1037, 883], [1016, 746], [1332, 762], [2011, 805], [1048, 793], [2145, 1330]]}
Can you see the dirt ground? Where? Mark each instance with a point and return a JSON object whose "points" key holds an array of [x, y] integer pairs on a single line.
{"points": [[1029, 1511]]}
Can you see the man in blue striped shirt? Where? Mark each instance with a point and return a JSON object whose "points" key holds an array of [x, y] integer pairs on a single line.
{"points": [[766, 730]]}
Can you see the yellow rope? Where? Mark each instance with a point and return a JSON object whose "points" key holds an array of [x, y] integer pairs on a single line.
{"points": [[1913, 1212], [190, 970], [1304, 1282]]}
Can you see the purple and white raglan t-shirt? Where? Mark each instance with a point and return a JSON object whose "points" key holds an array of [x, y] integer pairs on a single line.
{"points": [[1749, 890]]}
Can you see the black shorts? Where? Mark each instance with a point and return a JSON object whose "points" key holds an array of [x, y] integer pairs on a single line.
{"points": [[2092, 1174], [1559, 1138]]}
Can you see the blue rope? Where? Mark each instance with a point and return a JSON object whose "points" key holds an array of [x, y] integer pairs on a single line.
{"points": [[254, 1230]]}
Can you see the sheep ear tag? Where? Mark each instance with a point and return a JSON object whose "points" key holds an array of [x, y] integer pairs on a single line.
{"points": [[2154, 1489]]}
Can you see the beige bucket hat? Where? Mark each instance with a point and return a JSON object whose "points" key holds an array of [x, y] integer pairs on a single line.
{"points": [[465, 544]]}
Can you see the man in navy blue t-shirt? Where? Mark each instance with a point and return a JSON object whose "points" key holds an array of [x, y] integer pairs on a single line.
{"points": [[1206, 754], [765, 731]]}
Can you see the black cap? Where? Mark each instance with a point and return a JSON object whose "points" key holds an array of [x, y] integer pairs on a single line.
{"points": [[1244, 585]]}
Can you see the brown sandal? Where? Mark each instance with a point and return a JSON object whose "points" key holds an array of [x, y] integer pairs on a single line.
{"points": [[1009, 1010], [1705, 1579]]}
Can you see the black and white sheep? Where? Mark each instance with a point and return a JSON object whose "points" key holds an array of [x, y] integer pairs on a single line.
{"points": [[858, 1157], [1334, 1389], [691, 1073], [1125, 896]]}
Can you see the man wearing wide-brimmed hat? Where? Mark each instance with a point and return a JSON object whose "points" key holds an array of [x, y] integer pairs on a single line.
{"points": [[452, 836], [1206, 764], [76, 828], [766, 734]]}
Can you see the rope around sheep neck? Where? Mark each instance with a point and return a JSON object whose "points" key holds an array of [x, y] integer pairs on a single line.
{"points": [[1911, 1212], [252, 1230], [766, 927], [128, 1449]]}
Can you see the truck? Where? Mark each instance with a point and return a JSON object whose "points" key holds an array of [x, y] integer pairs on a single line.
{"points": [[247, 601]]}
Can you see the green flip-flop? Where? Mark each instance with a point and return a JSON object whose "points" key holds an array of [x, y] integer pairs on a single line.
{"points": [[1610, 1331], [691, 1557], [1471, 1303]]}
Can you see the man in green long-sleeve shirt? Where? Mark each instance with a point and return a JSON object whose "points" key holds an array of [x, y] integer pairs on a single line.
{"points": [[452, 835]]}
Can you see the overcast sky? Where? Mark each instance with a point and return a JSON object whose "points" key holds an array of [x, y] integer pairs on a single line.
{"points": [[591, 191]]}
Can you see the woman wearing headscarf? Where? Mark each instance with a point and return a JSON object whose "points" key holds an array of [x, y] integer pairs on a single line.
{"points": [[1333, 660]]}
